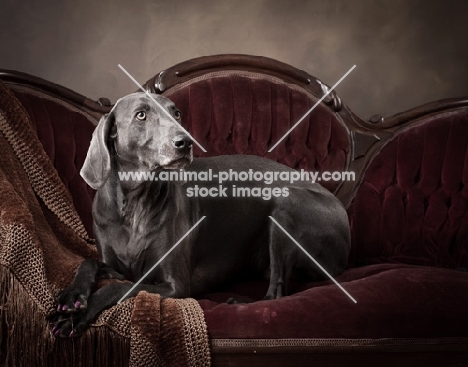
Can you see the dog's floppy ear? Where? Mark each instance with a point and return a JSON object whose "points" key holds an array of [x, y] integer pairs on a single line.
{"points": [[97, 165]]}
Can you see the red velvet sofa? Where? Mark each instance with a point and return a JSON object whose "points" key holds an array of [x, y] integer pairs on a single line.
{"points": [[408, 267]]}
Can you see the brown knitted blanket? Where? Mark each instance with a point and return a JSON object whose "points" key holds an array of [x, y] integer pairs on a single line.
{"points": [[42, 242]]}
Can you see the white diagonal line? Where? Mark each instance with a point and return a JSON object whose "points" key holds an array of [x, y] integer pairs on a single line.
{"points": [[308, 112], [315, 261], [161, 259], [161, 107]]}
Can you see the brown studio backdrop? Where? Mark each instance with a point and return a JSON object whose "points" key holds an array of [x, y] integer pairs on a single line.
{"points": [[407, 52]]}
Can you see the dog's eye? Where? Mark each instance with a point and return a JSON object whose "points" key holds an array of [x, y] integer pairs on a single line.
{"points": [[141, 116], [177, 114]]}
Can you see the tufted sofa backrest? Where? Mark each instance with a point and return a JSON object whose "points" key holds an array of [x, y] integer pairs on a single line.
{"points": [[238, 112], [412, 205], [238, 104]]}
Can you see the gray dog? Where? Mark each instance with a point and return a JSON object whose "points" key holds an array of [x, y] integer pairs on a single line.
{"points": [[137, 222]]}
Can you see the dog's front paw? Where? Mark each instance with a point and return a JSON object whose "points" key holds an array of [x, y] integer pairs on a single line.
{"points": [[69, 326], [72, 299]]}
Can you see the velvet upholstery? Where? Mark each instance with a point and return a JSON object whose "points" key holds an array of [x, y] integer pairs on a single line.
{"points": [[412, 204], [393, 301], [240, 113]]}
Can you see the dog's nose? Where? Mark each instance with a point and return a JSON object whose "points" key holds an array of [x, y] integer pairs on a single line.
{"points": [[181, 141]]}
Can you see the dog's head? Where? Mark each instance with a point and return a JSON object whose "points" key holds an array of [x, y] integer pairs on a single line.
{"points": [[140, 135]]}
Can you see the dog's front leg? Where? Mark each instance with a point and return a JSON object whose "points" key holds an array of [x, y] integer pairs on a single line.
{"points": [[75, 296], [103, 298]]}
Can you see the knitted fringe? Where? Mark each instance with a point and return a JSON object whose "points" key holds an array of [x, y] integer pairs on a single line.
{"points": [[26, 339]]}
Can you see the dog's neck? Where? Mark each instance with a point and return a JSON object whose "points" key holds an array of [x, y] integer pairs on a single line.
{"points": [[135, 204], [121, 167], [132, 196]]}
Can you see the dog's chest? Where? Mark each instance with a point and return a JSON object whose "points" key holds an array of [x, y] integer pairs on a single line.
{"points": [[136, 229], [139, 208], [130, 250]]}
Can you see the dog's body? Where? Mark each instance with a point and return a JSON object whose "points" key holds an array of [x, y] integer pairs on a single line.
{"points": [[136, 223]]}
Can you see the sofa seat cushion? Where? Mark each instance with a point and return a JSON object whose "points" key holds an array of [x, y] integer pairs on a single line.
{"points": [[393, 301]]}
